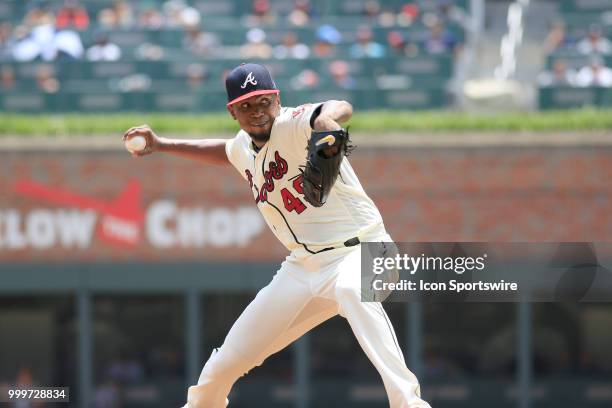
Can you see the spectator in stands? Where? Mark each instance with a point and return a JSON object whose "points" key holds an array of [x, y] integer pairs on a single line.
{"points": [[120, 15], [340, 72], [256, 46], [6, 40], [560, 75], [440, 40], [556, 38], [387, 18], [67, 44], [7, 77], [400, 46], [179, 14], [371, 10], [301, 14], [291, 48], [595, 43], [39, 39], [396, 42], [366, 47], [103, 49], [42, 41], [200, 43], [39, 15], [595, 74], [39, 35], [195, 75], [450, 13], [46, 80], [306, 79], [150, 17], [408, 14], [262, 14], [107, 19], [23, 48], [327, 38], [124, 13], [71, 15]]}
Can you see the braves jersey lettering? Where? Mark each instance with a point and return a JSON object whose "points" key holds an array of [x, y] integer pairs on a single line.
{"points": [[299, 110], [276, 182], [276, 170], [249, 178]]}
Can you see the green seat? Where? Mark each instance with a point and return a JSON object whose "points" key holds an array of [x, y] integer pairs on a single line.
{"points": [[569, 97], [605, 97], [573, 59], [570, 6], [209, 100]]}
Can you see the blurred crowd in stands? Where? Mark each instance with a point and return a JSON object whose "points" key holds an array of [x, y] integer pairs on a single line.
{"points": [[68, 30], [577, 60], [48, 33]]}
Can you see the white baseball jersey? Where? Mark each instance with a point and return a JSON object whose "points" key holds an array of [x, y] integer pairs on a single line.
{"points": [[274, 176]]}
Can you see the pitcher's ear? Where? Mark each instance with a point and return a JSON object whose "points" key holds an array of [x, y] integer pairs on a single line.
{"points": [[230, 109]]}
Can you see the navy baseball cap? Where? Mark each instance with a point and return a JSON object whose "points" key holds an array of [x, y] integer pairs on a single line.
{"points": [[248, 80]]}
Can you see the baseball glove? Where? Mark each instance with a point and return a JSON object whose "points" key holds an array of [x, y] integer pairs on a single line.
{"points": [[325, 153]]}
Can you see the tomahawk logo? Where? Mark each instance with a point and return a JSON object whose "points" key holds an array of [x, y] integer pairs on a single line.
{"points": [[120, 223], [329, 139], [250, 79]]}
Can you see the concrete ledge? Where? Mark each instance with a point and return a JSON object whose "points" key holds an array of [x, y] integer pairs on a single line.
{"points": [[434, 139]]}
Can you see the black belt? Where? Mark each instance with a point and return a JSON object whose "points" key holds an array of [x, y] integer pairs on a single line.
{"points": [[348, 243], [352, 242]]}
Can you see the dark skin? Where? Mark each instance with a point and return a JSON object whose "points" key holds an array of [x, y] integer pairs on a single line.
{"points": [[255, 115]]}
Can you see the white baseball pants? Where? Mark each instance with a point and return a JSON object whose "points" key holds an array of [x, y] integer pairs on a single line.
{"points": [[304, 293]]}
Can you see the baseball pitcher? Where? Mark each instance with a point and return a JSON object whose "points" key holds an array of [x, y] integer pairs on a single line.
{"points": [[294, 162]]}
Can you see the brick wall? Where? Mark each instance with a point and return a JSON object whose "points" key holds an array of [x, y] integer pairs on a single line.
{"points": [[424, 194], [503, 194]]}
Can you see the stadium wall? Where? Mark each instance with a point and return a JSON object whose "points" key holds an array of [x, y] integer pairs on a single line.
{"points": [[93, 230], [88, 206]]}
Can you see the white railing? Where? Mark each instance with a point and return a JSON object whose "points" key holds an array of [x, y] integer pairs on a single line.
{"points": [[512, 40]]}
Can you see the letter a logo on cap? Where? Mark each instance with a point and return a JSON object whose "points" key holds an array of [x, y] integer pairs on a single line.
{"points": [[250, 79]]}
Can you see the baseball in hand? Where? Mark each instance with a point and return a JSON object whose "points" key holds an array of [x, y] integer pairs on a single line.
{"points": [[136, 144]]}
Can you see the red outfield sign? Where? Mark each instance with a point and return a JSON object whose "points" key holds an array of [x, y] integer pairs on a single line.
{"points": [[121, 219], [68, 220], [63, 215]]}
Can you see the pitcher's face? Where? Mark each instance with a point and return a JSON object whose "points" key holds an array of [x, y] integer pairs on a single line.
{"points": [[256, 115]]}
